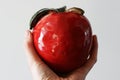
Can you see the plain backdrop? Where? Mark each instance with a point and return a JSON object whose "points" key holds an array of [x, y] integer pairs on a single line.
{"points": [[104, 16]]}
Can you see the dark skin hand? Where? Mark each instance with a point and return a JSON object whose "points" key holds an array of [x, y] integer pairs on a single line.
{"points": [[40, 71]]}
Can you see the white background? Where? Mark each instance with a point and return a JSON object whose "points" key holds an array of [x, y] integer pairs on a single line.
{"points": [[104, 16]]}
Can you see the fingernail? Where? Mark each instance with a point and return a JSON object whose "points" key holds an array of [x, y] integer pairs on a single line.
{"points": [[95, 37]]}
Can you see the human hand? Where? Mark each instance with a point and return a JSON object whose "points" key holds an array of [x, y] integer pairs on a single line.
{"points": [[40, 71]]}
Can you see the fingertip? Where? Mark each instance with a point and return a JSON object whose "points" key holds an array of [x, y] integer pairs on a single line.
{"points": [[28, 44], [94, 36], [28, 38], [94, 50], [95, 42], [27, 33]]}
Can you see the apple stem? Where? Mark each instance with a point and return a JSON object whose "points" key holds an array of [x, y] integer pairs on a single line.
{"points": [[62, 9]]}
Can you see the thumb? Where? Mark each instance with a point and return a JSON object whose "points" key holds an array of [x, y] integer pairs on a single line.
{"points": [[31, 54]]}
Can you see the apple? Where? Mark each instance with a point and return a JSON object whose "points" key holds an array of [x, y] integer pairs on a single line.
{"points": [[62, 37]]}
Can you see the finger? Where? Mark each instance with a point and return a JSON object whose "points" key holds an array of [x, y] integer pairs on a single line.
{"points": [[30, 50], [93, 54]]}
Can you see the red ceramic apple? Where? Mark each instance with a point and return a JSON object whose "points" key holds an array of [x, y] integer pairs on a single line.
{"points": [[62, 38]]}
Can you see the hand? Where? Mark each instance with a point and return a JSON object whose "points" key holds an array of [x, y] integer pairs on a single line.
{"points": [[40, 71]]}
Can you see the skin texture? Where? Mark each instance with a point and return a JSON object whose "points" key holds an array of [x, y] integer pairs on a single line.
{"points": [[40, 71]]}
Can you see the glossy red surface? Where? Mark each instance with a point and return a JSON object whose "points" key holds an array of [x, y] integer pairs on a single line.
{"points": [[63, 40]]}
